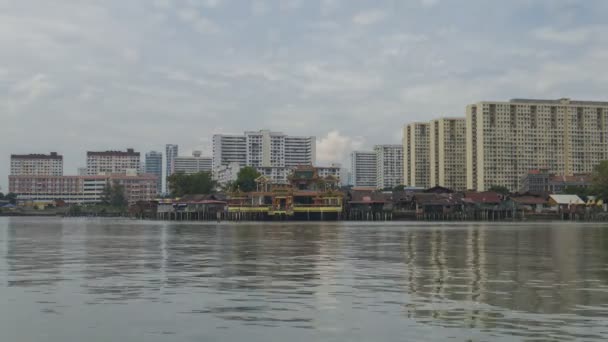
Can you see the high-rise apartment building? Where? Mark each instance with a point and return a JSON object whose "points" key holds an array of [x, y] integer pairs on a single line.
{"points": [[507, 139], [228, 149], [192, 164], [37, 164], [447, 159], [389, 166], [154, 166], [363, 168], [113, 162], [265, 148], [416, 156], [276, 152], [300, 151]]}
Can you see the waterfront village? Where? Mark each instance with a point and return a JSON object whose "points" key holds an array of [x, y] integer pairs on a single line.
{"points": [[522, 159]]}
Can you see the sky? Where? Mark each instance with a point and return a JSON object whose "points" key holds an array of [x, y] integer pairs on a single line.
{"points": [[111, 74]]}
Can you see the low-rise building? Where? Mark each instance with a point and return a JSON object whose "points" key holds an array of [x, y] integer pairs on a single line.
{"points": [[225, 174], [80, 189], [559, 183]]}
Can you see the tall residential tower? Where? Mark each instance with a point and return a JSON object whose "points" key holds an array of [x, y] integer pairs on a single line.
{"points": [[505, 140], [416, 156], [447, 159], [389, 166], [363, 168]]}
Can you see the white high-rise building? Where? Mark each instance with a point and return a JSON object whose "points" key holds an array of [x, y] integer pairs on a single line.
{"points": [[416, 155], [505, 140], [300, 151], [389, 166], [363, 168], [229, 149], [194, 164], [274, 153], [113, 162], [37, 164], [448, 153]]}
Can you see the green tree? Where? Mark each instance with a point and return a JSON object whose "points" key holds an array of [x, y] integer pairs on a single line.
{"points": [[114, 195], [199, 183], [599, 185], [245, 180], [1, 196], [399, 188], [118, 198], [503, 190]]}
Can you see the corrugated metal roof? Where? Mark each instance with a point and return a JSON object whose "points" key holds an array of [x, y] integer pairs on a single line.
{"points": [[566, 199]]}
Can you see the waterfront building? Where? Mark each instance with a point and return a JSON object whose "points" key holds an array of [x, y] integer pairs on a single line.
{"points": [[306, 196], [154, 166], [171, 152], [535, 181], [416, 155], [447, 156], [193, 164], [87, 189], [113, 162], [389, 166], [37, 164], [363, 168], [507, 139], [558, 183]]}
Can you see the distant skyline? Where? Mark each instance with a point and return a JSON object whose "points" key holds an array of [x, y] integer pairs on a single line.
{"points": [[101, 75]]}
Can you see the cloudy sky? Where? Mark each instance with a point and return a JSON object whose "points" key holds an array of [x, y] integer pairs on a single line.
{"points": [[109, 74]]}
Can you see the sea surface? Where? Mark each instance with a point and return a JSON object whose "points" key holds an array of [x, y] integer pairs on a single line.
{"points": [[125, 280]]}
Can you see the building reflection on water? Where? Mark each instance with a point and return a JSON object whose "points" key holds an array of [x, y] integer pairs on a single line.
{"points": [[453, 275]]}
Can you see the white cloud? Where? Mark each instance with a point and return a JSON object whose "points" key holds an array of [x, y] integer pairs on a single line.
{"points": [[335, 147], [369, 17]]}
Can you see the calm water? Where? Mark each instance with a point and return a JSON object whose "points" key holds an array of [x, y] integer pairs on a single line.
{"points": [[106, 280]]}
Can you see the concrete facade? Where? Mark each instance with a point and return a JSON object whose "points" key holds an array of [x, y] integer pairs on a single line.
{"points": [[81, 189], [37, 164], [416, 154], [363, 168], [154, 166], [113, 162], [447, 157], [389, 166], [193, 164], [507, 139]]}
